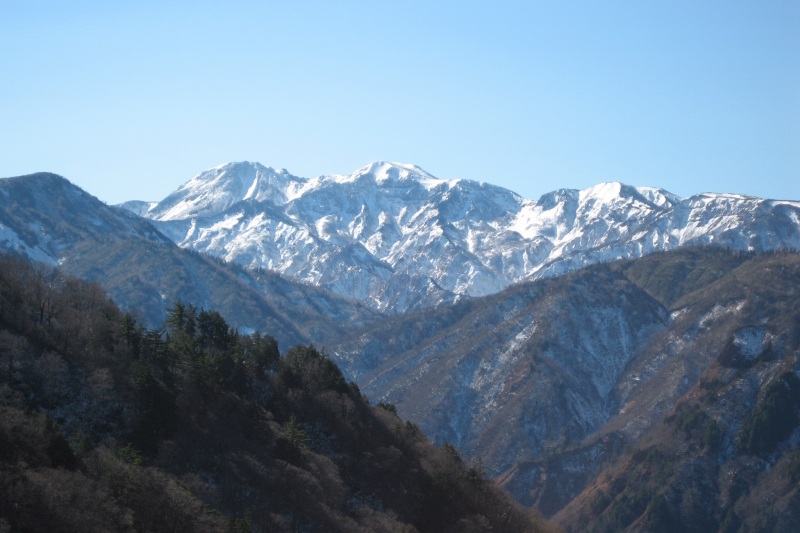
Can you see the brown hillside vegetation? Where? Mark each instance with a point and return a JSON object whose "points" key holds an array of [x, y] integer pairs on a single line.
{"points": [[106, 425], [726, 457], [573, 387]]}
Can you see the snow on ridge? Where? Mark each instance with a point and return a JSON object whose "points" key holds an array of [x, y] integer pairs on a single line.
{"points": [[615, 191], [751, 341], [251, 191], [658, 196], [790, 203], [385, 173], [463, 236], [605, 192], [215, 190]]}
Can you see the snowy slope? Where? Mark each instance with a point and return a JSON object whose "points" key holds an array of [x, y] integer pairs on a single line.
{"points": [[43, 215], [48, 219], [395, 237]]}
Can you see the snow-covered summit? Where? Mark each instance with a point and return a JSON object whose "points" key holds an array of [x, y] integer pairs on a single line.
{"points": [[217, 189], [396, 237], [395, 173], [616, 192]]}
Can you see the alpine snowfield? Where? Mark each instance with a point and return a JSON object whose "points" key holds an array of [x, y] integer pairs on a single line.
{"points": [[396, 238]]}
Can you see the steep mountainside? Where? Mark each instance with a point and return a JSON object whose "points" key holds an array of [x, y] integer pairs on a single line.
{"points": [[43, 215], [727, 454], [549, 380], [570, 389], [109, 426], [48, 219], [397, 238], [510, 376]]}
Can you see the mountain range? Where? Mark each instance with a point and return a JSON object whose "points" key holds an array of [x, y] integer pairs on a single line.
{"points": [[569, 343], [550, 381], [50, 220], [396, 238], [194, 427]]}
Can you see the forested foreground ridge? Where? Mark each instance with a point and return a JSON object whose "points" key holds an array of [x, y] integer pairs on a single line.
{"points": [[106, 425]]}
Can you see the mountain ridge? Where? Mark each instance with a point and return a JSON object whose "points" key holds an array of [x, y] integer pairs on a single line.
{"points": [[390, 229], [50, 220], [545, 380], [550, 380]]}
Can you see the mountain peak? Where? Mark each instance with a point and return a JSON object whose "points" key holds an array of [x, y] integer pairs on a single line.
{"points": [[388, 226], [614, 191], [39, 186], [217, 189], [385, 173], [39, 179]]}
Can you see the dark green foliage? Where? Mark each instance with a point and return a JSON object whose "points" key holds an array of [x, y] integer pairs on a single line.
{"points": [[241, 524], [34, 439], [305, 367], [130, 455], [260, 353], [599, 502], [194, 427], [80, 443], [659, 516], [793, 467], [388, 406], [696, 425], [625, 509], [774, 417], [294, 440], [156, 414], [213, 332]]}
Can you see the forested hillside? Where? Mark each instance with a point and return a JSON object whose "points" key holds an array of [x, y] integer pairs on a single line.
{"points": [[110, 426], [640, 394], [726, 456]]}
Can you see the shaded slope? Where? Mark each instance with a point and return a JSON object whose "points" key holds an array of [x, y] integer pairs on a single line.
{"points": [[549, 381], [725, 454], [47, 218], [513, 375], [736, 303], [43, 215], [109, 426]]}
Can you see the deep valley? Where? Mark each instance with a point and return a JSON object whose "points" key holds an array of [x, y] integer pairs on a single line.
{"points": [[613, 359]]}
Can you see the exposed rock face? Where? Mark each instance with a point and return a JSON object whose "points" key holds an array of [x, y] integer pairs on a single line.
{"points": [[547, 378], [548, 381], [396, 238]]}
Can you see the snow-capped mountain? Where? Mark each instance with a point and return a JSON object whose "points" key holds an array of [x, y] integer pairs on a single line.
{"points": [[395, 237], [43, 216], [544, 381], [48, 219]]}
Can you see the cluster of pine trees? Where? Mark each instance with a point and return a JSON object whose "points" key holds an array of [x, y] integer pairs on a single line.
{"points": [[106, 425]]}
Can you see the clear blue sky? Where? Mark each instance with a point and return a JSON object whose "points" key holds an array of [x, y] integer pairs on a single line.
{"points": [[130, 99]]}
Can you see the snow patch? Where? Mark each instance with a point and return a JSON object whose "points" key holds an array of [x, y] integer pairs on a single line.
{"points": [[252, 190], [751, 341]]}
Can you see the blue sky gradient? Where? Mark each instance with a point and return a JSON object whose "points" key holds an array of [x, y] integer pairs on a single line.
{"points": [[129, 100]]}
